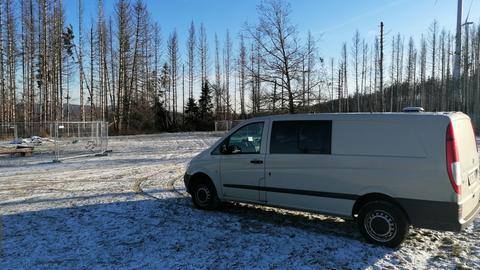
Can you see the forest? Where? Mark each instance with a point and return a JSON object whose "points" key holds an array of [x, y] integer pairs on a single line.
{"points": [[123, 69]]}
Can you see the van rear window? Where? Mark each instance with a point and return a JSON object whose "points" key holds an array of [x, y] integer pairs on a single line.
{"points": [[301, 137]]}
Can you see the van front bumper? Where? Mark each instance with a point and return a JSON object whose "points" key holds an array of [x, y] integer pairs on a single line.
{"points": [[186, 181]]}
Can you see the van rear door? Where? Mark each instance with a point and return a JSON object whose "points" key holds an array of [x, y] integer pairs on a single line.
{"points": [[465, 140]]}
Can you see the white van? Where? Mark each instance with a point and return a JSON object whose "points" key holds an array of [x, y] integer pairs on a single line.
{"points": [[386, 170]]}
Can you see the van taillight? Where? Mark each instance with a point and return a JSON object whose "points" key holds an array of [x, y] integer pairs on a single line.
{"points": [[453, 161]]}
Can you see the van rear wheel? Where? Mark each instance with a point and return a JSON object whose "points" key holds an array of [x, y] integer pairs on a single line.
{"points": [[204, 196], [383, 223]]}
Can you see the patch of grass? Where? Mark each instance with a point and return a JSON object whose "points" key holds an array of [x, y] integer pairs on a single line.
{"points": [[440, 256], [446, 241], [460, 266], [457, 250]]}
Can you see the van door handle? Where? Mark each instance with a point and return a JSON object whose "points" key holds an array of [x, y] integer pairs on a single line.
{"points": [[256, 161]]}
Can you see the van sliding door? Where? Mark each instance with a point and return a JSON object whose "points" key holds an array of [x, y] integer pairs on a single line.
{"points": [[299, 166]]}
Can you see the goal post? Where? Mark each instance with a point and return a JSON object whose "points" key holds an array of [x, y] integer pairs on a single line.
{"points": [[51, 141], [223, 125], [77, 139], [226, 125]]}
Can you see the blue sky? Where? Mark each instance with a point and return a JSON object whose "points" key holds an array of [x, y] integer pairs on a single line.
{"points": [[331, 22]]}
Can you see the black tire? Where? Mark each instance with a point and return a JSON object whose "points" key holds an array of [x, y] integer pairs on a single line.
{"points": [[383, 223], [204, 196]]}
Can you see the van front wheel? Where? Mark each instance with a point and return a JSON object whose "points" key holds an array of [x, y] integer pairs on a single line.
{"points": [[204, 196], [383, 223]]}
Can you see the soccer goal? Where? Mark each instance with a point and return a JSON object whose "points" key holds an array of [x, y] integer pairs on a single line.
{"points": [[226, 125], [51, 141], [78, 139]]}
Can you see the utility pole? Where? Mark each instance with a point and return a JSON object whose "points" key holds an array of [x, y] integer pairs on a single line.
{"points": [[466, 88], [381, 69], [234, 97], [456, 65]]}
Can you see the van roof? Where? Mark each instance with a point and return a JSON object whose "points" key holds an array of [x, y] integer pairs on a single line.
{"points": [[362, 116]]}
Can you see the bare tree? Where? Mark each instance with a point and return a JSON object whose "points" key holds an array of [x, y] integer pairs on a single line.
{"points": [[410, 70], [203, 52], [242, 62], [280, 48], [423, 66], [218, 82], [332, 82], [173, 59], [3, 91], [443, 57], [345, 76], [340, 86], [91, 91], [363, 84], [310, 56], [102, 62], [191, 58], [392, 74], [398, 72], [254, 75], [228, 53], [80, 58], [433, 48], [123, 34], [11, 62], [356, 63], [139, 10]]}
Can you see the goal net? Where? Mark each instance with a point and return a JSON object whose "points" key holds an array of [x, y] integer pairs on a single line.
{"points": [[77, 139]]}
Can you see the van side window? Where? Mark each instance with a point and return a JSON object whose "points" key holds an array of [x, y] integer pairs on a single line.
{"points": [[246, 140], [301, 137]]}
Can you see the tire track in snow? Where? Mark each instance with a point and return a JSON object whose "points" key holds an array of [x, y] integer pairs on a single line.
{"points": [[171, 185], [167, 185]]}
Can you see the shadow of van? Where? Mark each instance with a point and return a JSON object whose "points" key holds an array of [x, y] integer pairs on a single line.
{"points": [[170, 233]]}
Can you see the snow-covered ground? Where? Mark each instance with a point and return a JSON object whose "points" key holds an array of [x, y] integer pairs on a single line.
{"points": [[129, 210]]}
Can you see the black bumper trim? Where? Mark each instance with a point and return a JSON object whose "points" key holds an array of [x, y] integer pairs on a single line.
{"points": [[186, 181], [297, 191]]}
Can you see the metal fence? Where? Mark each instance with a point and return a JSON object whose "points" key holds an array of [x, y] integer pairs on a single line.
{"points": [[54, 141]]}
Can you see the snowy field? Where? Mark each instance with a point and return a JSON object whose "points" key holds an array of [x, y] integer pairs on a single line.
{"points": [[129, 210]]}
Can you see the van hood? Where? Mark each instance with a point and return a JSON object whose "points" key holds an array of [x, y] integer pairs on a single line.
{"points": [[201, 155]]}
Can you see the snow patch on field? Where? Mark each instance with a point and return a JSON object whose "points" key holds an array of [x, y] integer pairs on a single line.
{"points": [[130, 210]]}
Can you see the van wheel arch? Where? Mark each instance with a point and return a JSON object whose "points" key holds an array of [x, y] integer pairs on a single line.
{"points": [[370, 197], [203, 191], [197, 178]]}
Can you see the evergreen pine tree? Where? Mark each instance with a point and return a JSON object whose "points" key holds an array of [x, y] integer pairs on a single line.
{"points": [[191, 114], [205, 104], [160, 115], [205, 110]]}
